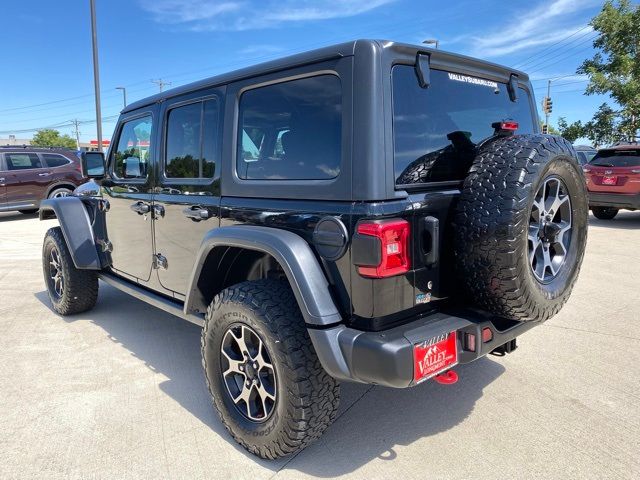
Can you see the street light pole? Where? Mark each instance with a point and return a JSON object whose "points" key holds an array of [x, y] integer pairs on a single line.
{"points": [[124, 95], [432, 41], [96, 72]]}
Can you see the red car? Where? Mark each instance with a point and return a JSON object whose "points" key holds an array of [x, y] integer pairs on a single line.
{"points": [[29, 175], [613, 180]]}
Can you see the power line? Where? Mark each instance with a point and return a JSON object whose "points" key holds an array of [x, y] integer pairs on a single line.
{"points": [[542, 67], [550, 48], [544, 63]]}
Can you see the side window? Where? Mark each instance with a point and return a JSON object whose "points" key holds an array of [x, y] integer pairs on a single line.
{"points": [[192, 132], [22, 161], [291, 130], [54, 160], [132, 154]]}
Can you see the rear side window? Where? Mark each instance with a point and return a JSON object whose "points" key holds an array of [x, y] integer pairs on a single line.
{"points": [[617, 158], [132, 154], [291, 130], [436, 129], [54, 160], [192, 131], [22, 161]]}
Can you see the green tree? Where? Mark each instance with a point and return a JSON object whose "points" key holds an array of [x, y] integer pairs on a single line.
{"points": [[615, 68], [603, 128], [571, 131], [52, 138]]}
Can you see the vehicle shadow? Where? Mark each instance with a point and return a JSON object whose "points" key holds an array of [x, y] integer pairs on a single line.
{"points": [[380, 420], [625, 220], [14, 216]]}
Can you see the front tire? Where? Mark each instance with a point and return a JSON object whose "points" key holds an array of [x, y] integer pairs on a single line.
{"points": [[263, 374], [520, 228], [604, 213], [70, 290]]}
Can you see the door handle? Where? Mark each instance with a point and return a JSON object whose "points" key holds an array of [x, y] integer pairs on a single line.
{"points": [[141, 208], [196, 213], [45, 174]]}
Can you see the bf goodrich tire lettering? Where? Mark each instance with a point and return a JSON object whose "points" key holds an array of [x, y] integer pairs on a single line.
{"points": [[491, 228]]}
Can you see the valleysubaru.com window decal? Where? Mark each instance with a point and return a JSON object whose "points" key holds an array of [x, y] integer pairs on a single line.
{"points": [[476, 81]]}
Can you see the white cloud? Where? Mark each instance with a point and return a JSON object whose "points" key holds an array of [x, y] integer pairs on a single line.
{"points": [[545, 24], [209, 15]]}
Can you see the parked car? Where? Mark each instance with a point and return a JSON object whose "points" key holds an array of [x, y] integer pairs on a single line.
{"points": [[585, 153], [29, 175], [372, 212], [613, 180]]}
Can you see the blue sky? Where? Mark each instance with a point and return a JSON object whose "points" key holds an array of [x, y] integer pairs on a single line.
{"points": [[47, 73]]}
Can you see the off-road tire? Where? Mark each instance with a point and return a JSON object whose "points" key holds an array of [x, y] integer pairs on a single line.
{"points": [[306, 396], [491, 226], [80, 291], [604, 213]]}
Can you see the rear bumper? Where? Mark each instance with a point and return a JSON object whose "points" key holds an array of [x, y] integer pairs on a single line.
{"points": [[617, 200], [386, 358]]}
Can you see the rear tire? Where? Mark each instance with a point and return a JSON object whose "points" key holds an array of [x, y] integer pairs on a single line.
{"points": [[520, 227], [302, 398], [70, 290], [604, 213], [60, 192]]}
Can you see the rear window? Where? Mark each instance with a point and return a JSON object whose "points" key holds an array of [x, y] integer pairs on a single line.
{"points": [[291, 130], [617, 158], [437, 128]]}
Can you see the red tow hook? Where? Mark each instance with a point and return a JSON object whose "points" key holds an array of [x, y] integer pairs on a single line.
{"points": [[446, 378]]}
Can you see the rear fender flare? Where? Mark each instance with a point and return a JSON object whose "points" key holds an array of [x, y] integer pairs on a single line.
{"points": [[307, 280], [77, 230]]}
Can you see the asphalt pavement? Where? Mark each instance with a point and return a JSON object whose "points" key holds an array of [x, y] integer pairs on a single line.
{"points": [[118, 392]]}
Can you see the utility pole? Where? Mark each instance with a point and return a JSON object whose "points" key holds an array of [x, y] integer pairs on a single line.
{"points": [[161, 83], [124, 95], [76, 125], [96, 73]]}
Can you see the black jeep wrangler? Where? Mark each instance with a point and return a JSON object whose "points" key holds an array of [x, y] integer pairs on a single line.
{"points": [[372, 212]]}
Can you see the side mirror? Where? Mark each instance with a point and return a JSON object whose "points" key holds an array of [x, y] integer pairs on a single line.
{"points": [[93, 165]]}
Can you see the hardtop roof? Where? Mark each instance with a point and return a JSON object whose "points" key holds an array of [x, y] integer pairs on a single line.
{"points": [[326, 53]]}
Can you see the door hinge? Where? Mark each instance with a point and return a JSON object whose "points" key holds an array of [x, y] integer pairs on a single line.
{"points": [[160, 262], [105, 245]]}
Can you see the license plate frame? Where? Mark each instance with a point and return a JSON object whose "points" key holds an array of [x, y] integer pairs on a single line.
{"points": [[434, 356]]}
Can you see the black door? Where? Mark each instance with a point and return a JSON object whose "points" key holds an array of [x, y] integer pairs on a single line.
{"points": [[128, 188], [187, 198]]}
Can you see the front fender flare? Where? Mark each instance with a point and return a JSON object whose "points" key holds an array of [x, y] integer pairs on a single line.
{"points": [[76, 228], [294, 255]]}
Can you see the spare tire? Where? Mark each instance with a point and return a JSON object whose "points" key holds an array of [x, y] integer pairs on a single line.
{"points": [[520, 227]]}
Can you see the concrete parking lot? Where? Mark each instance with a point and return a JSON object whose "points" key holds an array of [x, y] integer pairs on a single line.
{"points": [[118, 392]]}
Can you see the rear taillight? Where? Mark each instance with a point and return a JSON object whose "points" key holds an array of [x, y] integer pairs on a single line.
{"points": [[390, 245]]}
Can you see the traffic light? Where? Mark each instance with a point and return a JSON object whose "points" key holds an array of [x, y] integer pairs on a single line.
{"points": [[547, 105], [545, 129]]}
